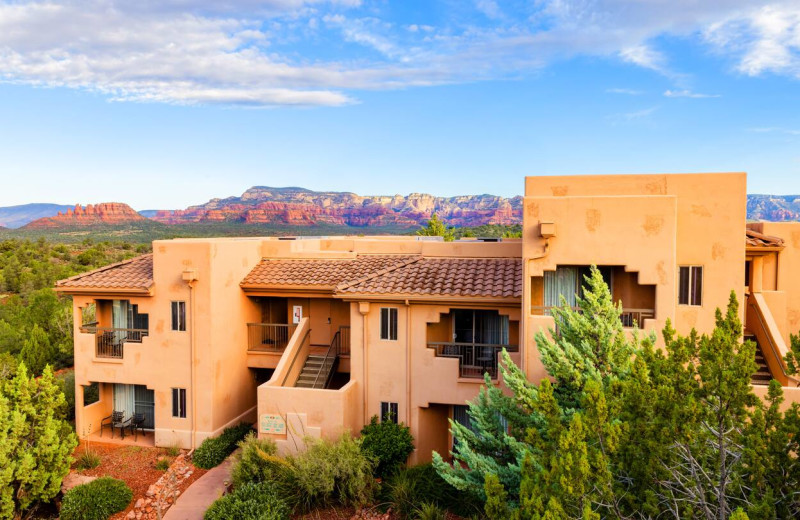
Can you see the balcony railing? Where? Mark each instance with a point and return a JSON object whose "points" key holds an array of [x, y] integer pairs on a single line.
{"points": [[109, 341], [629, 317], [343, 340], [268, 337], [474, 359]]}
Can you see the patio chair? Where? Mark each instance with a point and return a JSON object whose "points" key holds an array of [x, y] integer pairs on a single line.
{"points": [[115, 420], [137, 425]]}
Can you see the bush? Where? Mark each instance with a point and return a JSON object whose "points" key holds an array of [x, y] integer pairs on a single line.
{"points": [[163, 464], [430, 511], [388, 443], [216, 449], [96, 500], [252, 501], [326, 474], [409, 487], [251, 465], [88, 460]]}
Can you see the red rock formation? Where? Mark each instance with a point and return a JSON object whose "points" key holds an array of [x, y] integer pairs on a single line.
{"points": [[108, 213], [299, 207]]}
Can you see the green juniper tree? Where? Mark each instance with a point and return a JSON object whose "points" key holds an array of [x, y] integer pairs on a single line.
{"points": [[436, 228], [36, 443], [623, 429]]}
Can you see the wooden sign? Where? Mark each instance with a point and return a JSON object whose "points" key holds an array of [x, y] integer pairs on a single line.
{"points": [[273, 424]]}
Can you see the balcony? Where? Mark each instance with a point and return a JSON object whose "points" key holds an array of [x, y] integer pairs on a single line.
{"points": [[628, 317], [110, 341], [474, 359], [268, 337]]}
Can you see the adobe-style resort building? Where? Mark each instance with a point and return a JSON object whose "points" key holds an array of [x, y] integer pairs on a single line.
{"points": [[313, 336]]}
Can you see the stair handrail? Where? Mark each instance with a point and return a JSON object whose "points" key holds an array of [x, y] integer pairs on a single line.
{"points": [[332, 349], [755, 304]]}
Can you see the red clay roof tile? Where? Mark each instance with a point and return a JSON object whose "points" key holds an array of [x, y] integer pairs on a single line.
{"points": [[756, 239], [479, 277], [322, 273], [134, 274]]}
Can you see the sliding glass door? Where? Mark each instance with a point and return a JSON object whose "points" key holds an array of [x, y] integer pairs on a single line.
{"points": [[131, 399]]}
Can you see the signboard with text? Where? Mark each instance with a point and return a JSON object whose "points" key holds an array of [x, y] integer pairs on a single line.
{"points": [[273, 424]]}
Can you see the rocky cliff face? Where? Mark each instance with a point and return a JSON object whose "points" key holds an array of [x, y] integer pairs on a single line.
{"points": [[301, 207], [774, 208], [106, 213]]}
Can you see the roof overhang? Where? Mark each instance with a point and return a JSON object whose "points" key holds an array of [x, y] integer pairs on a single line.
{"points": [[430, 299], [97, 291]]}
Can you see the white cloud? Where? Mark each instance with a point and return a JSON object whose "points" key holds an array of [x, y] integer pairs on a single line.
{"points": [[259, 53], [488, 8], [643, 56], [685, 93], [626, 91]]}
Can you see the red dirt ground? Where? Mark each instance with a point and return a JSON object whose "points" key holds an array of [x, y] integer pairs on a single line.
{"points": [[136, 465]]}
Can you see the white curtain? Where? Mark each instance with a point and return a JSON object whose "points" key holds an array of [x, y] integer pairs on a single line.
{"points": [[561, 282], [124, 399], [120, 311]]}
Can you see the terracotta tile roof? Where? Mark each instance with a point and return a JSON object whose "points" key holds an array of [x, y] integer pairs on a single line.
{"points": [[321, 273], [464, 277], [756, 239], [135, 274]]}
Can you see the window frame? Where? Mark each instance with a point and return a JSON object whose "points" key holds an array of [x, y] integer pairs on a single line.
{"points": [[390, 410], [179, 405], [178, 320], [391, 323], [695, 285]]}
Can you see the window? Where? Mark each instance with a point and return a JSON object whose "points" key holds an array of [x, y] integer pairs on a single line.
{"points": [[690, 285], [179, 316], [389, 411], [179, 402], [389, 323]]}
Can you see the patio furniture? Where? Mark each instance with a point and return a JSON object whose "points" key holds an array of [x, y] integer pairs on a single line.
{"points": [[115, 420], [137, 421]]}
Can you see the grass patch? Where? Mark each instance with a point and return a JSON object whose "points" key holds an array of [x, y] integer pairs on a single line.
{"points": [[172, 450], [163, 464], [88, 460]]}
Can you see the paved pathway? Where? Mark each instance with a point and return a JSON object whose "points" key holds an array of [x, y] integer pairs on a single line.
{"points": [[192, 503]]}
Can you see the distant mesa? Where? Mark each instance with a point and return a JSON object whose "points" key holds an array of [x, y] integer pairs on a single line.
{"points": [[302, 207], [106, 213]]}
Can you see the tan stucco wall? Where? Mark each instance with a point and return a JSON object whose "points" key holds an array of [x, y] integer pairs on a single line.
{"points": [[651, 224], [788, 265]]}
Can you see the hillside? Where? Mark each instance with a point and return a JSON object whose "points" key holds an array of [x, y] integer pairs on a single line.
{"points": [[17, 216], [302, 207]]}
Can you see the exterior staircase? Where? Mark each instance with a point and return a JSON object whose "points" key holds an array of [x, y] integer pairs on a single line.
{"points": [[317, 371], [762, 376]]}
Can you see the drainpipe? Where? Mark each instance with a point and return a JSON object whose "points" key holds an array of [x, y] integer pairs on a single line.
{"points": [[408, 363], [363, 309], [190, 277]]}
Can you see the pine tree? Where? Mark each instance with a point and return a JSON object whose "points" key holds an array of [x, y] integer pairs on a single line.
{"points": [[436, 228], [37, 443]]}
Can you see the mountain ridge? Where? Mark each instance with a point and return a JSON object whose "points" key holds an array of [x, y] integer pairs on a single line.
{"points": [[298, 207]]}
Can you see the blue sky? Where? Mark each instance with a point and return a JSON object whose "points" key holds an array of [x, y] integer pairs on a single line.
{"points": [[169, 103]]}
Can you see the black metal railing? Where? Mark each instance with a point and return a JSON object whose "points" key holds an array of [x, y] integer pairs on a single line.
{"points": [[474, 359], [109, 341], [343, 340], [269, 337], [628, 317]]}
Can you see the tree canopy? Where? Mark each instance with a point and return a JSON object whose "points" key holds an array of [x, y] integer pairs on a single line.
{"points": [[625, 429]]}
